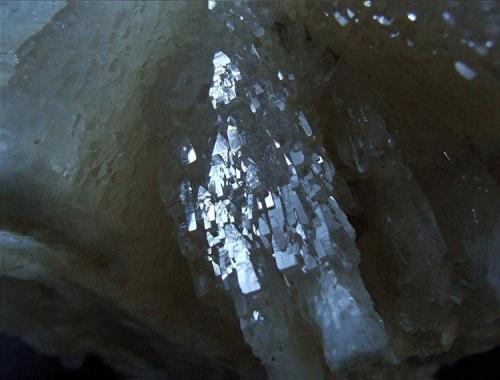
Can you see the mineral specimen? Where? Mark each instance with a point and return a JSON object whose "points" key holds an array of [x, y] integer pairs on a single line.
{"points": [[329, 170]]}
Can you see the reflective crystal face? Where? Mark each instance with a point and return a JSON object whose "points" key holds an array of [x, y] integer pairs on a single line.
{"points": [[226, 75]]}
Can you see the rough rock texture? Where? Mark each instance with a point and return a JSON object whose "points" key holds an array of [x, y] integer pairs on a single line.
{"points": [[407, 107], [79, 194]]}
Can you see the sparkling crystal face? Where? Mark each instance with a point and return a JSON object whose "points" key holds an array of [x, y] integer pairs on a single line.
{"points": [[226, 75], [252, 218]]}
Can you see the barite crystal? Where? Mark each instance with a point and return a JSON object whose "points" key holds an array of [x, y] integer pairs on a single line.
{"points": [[276, 216]]}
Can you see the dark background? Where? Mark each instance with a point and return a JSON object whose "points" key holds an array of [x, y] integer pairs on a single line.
{"points": [[20, 362]]}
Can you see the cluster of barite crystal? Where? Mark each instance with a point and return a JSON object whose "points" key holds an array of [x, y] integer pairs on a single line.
{"points": [[241, 215], [269, 194]]}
